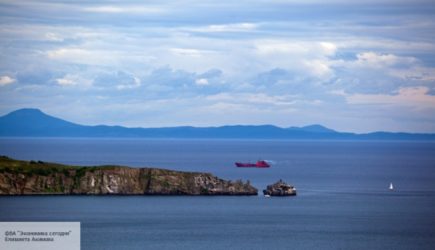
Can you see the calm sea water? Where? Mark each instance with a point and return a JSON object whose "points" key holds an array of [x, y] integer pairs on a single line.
{"points": [[343, 200]]}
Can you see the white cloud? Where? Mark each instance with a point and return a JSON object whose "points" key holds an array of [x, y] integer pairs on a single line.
{"points": [[189, 52], [254, 99], [201, 81], [304, 58], [381, 73], [319, 68], [292, 47], [328, 48], [137, 81], [72, 54], [5, 80], [65, 82], [266, 47], [415, 72], [417, 97], [383, 44], [73, 80], [232, 27], [135, 84], [96, 57], [50, 36], [124, 9], [120, 80], [372, 59]]}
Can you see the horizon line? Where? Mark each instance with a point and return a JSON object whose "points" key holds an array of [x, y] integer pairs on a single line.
{"points": [[221, 126]]}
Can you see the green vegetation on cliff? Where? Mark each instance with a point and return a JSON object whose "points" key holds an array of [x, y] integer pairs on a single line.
{"points": [[37, 177]]}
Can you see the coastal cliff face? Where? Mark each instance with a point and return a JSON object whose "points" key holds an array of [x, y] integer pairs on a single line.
{"points": [[27, 178]]}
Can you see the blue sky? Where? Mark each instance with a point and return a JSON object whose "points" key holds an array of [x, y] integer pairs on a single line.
{"points": [[357, 67]]}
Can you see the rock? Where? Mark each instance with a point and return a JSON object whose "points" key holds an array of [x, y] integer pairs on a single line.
{"points": [[280, 188], [29, 178]]}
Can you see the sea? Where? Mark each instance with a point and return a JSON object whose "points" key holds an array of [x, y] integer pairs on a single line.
{"points": [[343, 200]]}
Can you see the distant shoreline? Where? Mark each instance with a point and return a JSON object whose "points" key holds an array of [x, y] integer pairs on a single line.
{"points": [[213, 139], [35, 123]]}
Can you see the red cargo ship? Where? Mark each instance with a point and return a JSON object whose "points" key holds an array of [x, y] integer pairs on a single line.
{"points": [[258, 164]]}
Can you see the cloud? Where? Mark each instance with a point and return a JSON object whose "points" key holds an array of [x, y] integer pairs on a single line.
{"points": [[281, 62], [371, 73], [65, 82], [290, 81], [50, 36], [295, 47], [212, 76], [73, 80], [278, 47], [82, 56], [309, 58], [132, 85], [119, 80], [189, 52], [376, 60], [201, 81], [416, 97], [131, 9], [232, 27], [6, 80], [254, 100], [212, 73], [167, 82]]}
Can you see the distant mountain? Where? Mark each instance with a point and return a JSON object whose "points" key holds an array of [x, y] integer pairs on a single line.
{"points": [[314, 128], [35, 123]]}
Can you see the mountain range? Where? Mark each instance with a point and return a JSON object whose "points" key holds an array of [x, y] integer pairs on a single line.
{"points": [[34, 123]]}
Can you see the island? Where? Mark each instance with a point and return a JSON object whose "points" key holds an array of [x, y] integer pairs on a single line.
{"points": [[280, 188], [42, 178]]}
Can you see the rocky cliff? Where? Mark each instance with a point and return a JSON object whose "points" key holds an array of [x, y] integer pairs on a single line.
{"points": [[280, 188], [30, 178]]}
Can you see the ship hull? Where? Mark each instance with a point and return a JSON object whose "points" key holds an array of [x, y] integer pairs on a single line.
{"points": [[260, 164]]}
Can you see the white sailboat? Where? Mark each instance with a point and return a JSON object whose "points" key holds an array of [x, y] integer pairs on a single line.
{"points": [[391, 186]]}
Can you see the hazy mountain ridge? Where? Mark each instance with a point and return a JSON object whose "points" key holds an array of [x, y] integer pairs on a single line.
{"points": [[35, 123]]}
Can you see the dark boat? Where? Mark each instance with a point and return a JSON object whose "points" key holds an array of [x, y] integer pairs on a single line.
{"points": [[258, 164]]}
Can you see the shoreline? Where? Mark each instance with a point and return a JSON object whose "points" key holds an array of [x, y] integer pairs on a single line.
{"points": [[44, 178]]}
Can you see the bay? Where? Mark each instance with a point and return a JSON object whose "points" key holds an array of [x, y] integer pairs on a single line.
{"points": [[343, 199]]}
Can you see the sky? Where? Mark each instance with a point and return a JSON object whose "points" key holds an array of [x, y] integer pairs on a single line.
{"points": [[356, 66]]}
